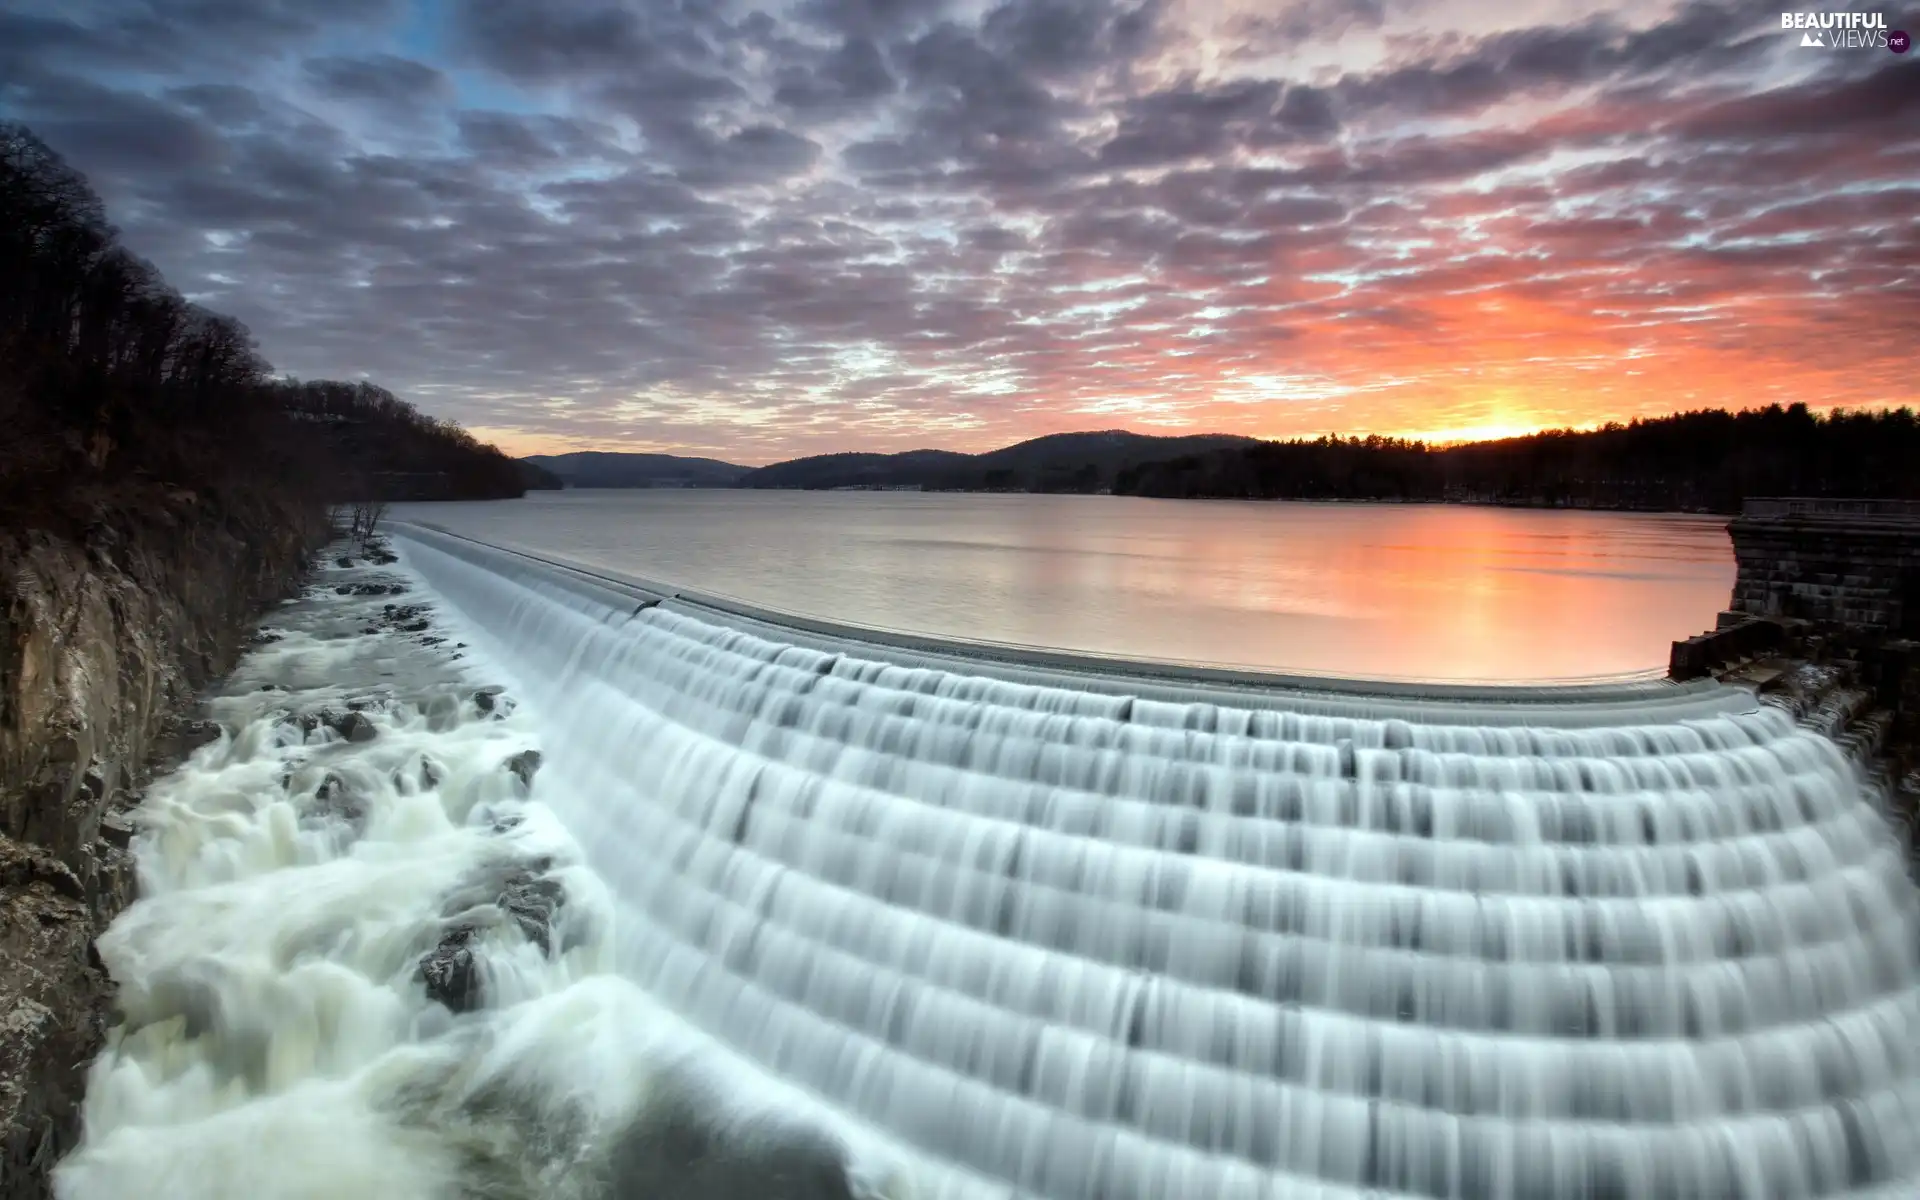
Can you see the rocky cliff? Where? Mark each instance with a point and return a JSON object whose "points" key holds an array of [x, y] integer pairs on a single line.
{"points": [[107, 629]]}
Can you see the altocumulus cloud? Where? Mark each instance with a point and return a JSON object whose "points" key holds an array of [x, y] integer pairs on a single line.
{"points": [[763, 229]]}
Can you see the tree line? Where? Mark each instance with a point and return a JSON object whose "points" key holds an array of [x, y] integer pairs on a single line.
{"points": [[1706, 461], [110, 378], [396, 451]]}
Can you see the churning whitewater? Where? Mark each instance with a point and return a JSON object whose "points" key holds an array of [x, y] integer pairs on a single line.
{"points": [[785, 915]]}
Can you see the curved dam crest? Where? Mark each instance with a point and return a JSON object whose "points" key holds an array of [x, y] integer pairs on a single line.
{"points": [[1023, 931]]}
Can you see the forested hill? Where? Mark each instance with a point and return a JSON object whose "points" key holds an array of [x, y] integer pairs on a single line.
{"points": [[1696, 461], [614, 469], [113, 385], [1060, 462], [385, 448]]}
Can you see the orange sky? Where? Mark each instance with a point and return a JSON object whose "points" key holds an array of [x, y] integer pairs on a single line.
{"points": [[813, 227]]}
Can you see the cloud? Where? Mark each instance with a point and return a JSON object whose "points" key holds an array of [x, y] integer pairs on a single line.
{"points": [[870, 18], [846, 78], [384, 80], [762, 230]]}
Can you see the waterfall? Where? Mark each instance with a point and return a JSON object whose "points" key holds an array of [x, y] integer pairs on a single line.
{"points": [[1026, 936]]}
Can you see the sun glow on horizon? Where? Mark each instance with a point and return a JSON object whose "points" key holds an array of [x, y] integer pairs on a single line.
{"points": [[1494, 431]]}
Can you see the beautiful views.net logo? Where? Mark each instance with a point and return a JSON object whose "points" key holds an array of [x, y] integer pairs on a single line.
{"points": [[1846, 31]]}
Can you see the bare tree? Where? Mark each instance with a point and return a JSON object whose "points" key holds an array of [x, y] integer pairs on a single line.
{"points": [[365, 518]]}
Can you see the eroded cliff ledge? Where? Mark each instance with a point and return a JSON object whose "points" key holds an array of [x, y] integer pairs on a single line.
{"points": [[108, 627]]}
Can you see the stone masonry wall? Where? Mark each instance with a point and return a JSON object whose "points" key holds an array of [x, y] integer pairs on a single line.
{"points": [[1825, 620], [1859, 573]]}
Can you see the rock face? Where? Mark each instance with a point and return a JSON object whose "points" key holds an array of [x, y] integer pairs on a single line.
{"points": [[104, 638]]}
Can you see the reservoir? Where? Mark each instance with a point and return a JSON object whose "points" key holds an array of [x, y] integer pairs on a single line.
{"points": [[1383, 591]]}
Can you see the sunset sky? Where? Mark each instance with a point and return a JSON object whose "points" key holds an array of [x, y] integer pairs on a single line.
{"points": [[761, 229]]}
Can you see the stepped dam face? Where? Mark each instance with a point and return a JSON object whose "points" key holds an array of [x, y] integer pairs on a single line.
{"points": [[1022, 938], [969, 926]]}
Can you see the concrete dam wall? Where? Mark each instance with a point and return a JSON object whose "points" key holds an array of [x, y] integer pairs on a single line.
{"points": [[1066, 928]]}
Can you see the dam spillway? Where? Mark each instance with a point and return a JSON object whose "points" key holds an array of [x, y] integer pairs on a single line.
{"points": [[1048, 931]]}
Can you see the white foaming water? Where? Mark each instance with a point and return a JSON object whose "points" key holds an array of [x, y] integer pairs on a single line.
{"points": [[1003, 937], [276, 1038]]}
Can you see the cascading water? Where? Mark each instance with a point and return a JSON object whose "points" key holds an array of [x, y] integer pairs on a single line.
{"points": [[1080, 944], [1005, 933]]}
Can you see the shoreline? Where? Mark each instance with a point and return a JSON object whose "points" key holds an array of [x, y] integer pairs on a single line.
{"points": [[1328, 500]]}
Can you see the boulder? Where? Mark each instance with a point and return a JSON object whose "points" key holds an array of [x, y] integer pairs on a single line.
{"points": [[507, 890], [335, 800], [450, 972], [673, 1149], [354, 726], [523, 765]]}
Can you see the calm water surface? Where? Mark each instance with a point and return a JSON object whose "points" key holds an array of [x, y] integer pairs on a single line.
{"points": [[1383, 591]]}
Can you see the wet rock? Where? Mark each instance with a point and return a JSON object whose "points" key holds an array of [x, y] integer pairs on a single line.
{"points": [[524, 764], [370, 589], [354, 726], [533, 901], [116, 830], [23, 865], [516, 891], [343, 561], [178, 739], [351, 724], [493, 700], [267, 637], [425, 773], [451, 973], [54, 997], [336, 800], [673, 1150], [407, 618]]}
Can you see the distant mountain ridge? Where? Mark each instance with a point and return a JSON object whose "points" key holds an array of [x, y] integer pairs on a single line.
{"points": [[1057, 462], [612, 469]]}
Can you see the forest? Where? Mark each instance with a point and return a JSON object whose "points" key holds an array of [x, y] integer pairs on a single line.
{"points": [[1707, 461], [111, 382]]}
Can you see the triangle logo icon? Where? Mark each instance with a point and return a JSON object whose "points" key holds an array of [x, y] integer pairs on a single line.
{"points": [[1812, 39]]}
